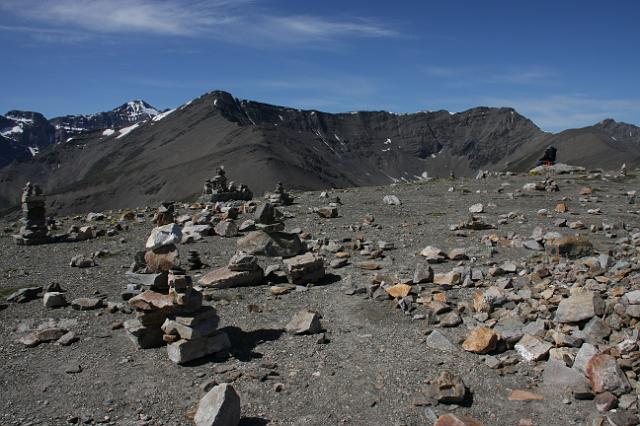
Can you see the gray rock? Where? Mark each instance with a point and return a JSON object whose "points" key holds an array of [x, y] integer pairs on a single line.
{"points": [[557, 377], [437, 340], [306, 268], [54, 300], [304, 322], [86, 303], [145, 337], [227, 228], [596, 330], [580, 306], [24, 295], [45, 335], [67, 339], [423, 273], [219, 407]]}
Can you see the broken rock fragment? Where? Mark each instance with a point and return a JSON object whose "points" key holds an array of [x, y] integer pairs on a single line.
{"points": [[219, 407], [304, 322], [447, 388]]}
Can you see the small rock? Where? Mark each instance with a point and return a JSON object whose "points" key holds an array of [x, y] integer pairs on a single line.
{"points": [[219, 407], [54, 300], [481, 340], [304, 322], [447, 388], [86, 303]]}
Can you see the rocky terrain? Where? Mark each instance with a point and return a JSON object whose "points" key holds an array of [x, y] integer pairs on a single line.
{"points": [[503, 300], [115, 164]]}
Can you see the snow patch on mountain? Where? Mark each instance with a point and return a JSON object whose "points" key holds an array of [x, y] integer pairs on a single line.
{"points": [[163, 115], [126, 130]]}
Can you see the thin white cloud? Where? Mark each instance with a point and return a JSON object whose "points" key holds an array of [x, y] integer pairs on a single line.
{"points": [[474, 75], [235, 21], [559, 112]]}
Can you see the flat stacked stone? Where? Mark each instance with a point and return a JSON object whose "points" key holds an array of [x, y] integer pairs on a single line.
{"points": [[243, 270], [34, 221]]}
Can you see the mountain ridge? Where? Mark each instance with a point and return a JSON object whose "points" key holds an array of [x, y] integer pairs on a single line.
{"points": [[169, 155]]}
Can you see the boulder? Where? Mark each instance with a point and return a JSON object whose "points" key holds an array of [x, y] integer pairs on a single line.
{"points": [[163, 236]]}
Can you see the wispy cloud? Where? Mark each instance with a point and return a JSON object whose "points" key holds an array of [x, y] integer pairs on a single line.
{"points": [[231, 20], [559, 112], [552, 112], [474, 75]]}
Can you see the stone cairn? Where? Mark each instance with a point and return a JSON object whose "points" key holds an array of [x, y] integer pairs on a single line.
{"points": [[217, 189], [34, 221], [168, 309], [270, 240], [279, 197]]}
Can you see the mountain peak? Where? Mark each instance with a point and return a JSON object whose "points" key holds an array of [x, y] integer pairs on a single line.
{"points": [[138, 107]]}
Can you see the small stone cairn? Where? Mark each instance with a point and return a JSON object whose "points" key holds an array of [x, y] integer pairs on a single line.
{"points": [[217, 190]]}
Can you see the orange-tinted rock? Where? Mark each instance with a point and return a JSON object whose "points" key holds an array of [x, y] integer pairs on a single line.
{"points": [[481, 340], [399, 290], [455, 420], [523, 395]]}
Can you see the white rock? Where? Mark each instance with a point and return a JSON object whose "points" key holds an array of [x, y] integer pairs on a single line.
{"points": [[164, 236], [476, 208], [392, 200]]}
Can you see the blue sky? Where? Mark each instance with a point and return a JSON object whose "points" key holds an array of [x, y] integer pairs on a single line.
{"points": [[561, 63]]}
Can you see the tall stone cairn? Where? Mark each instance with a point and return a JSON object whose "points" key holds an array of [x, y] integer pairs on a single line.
{"points": [[34, 226]]}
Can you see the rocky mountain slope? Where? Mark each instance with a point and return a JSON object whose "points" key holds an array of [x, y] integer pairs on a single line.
{"points": [[168, 156]]}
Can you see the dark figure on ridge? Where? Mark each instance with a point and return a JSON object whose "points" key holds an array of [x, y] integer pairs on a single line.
{"points": [[548, 158]]}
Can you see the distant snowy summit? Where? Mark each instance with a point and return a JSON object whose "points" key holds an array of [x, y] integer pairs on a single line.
{"points": [[125, 115], [23, 134]]}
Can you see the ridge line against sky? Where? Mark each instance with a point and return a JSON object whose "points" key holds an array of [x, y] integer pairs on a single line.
{"points": [[562, 66]]}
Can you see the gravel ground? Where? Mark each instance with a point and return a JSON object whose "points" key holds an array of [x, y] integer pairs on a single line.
{"points": [[374, 368]]}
